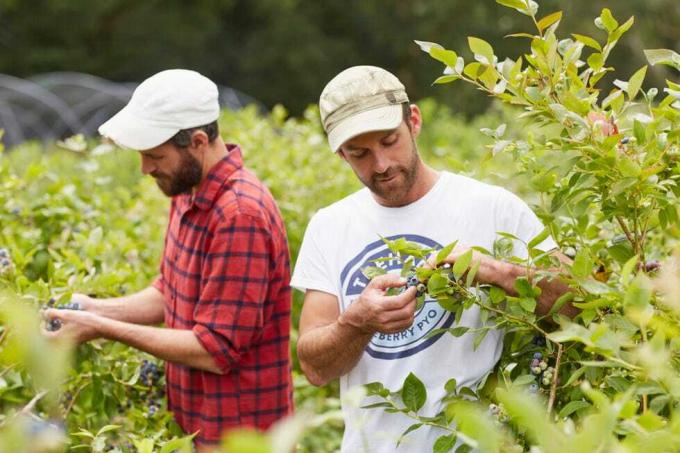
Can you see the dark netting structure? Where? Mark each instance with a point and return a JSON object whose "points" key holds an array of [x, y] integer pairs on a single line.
{"points": [[56, 105]]}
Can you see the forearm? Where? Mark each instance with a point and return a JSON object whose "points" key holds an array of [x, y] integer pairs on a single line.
{"points": [[504, 274], [144, 307], [330, 351], [172, 345]]}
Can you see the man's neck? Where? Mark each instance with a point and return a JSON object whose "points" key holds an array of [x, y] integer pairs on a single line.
{"points": [[215, 153]]}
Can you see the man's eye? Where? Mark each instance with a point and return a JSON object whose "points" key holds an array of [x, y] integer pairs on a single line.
{"points": [[357, 154], [391, 140]]}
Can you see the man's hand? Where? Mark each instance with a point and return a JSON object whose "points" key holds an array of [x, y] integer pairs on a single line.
{"points": [[77, 325], [374, 312]]}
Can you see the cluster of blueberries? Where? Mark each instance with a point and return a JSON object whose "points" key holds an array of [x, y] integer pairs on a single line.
{"points": [[5, 261], [412, 280], [54, 324], [149, 373], [498, 411], [543, 372]]}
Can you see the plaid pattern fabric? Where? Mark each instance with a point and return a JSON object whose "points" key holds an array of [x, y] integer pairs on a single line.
{"points": [[225, 275]]}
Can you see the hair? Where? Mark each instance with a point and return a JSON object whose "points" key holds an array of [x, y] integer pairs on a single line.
{"points": [[406, 113], [182, 139]]}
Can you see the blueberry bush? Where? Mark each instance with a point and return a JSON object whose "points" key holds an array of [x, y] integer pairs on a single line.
{"points": [[602, 164]]}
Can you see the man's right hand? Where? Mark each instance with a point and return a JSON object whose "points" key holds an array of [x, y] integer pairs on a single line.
{"points": [[374, 311]]}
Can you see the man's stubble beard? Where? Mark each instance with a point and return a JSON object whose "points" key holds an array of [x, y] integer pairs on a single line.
{"points": [[395, 196], [187, 177]]}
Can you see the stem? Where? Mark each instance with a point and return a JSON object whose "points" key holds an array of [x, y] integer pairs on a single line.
{"points": [[626, 231], [553, 386], [31, 404], [74, 397]]}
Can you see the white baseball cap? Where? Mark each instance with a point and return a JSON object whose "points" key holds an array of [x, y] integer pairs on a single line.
{"points": [[161, 106], [358, 100]]}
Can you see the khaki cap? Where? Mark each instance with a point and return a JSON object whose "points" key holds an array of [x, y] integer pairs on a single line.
{"points": [[358, 100]]}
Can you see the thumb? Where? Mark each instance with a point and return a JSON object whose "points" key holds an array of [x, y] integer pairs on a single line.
{"points": [[387, 281]]}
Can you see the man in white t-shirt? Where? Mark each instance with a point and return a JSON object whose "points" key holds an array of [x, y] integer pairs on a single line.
{"points": [[349, 328]]}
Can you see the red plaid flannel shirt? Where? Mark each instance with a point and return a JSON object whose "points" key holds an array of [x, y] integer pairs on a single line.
{"points": [[225, 275]]}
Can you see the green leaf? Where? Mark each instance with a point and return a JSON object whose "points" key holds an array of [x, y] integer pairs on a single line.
{"points": [[528, 304], [635, 82], [663, 56], [517, 4], [462, 263], [608, 20], [639, 132], [496, 294], [448, 57], [596, 61], [523, 287], [588, 41], [459, 331], [373, 271], [559, 303], [445, 252], [413, 393], [583, 264], [472, 70], [107, 428], [411, 428], [445, 444], [445, 79], [572, 407], [480, 47], [542, 236], [524, 379], [427, 46], [548, 20]]}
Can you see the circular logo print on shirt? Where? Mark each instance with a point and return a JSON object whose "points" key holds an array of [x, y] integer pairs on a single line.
{"points": [[431, 315]]}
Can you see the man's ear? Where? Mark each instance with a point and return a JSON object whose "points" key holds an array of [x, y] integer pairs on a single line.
{"points": [[416, 120], [199, 140]]}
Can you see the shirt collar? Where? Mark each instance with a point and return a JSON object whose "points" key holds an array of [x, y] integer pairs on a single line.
{"points": [[210, 187]]}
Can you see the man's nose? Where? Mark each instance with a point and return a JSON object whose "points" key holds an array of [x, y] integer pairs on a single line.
{"points": [[147, 165], [382, 162]]}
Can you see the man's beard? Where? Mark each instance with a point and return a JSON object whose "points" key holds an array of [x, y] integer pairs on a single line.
{"points": [[188, 176], [395, 196]]}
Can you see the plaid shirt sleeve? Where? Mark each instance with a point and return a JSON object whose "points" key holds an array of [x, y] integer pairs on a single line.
{"points": [[235, 275]]}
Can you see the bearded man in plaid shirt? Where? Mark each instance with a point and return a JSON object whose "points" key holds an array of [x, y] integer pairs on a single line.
{"points": [[223, 290]]}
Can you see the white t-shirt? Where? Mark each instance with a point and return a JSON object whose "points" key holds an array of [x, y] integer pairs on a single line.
{"points": [[345, 237]]}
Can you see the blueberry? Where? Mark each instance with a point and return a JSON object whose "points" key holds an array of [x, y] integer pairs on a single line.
{"points": [[412, 281], [4, 253], [538, 355], [420, 289], [533, 388], [538, 340], [535, 363], [625, 140], [53, 324]]}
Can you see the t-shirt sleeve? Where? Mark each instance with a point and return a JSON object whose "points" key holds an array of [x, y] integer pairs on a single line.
{"points": [[519, 220], [235, 275], [312, 269]]}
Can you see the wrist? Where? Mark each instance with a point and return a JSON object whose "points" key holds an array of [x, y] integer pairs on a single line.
{"points": [[349, 320]]}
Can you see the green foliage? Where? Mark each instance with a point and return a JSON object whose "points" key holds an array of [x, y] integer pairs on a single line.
{"points": [[605, 166]]}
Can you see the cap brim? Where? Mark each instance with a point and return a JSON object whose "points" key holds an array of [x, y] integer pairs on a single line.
{"points": [[130, 131], [379, 119]]}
